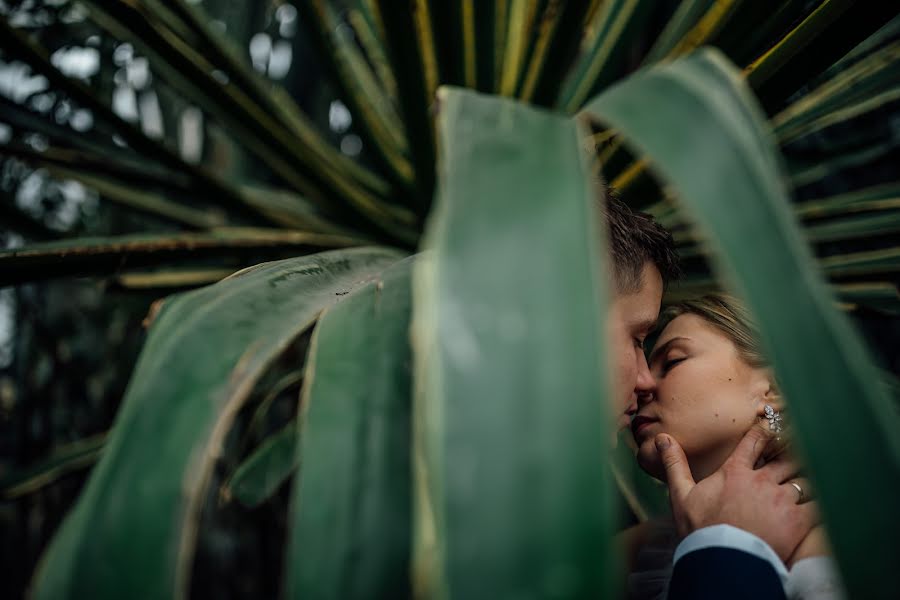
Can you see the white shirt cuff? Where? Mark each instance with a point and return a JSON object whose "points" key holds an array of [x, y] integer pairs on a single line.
{"points": [[815, 577], [728, 536]]}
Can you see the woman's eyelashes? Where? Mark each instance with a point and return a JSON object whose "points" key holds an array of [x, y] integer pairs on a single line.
{"points": [[671, 362]]}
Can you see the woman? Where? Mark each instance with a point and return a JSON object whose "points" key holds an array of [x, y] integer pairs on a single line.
{"points": [[712, 385]]}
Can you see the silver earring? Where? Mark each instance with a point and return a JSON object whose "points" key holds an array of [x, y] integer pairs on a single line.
{"points": [[774, 418]]}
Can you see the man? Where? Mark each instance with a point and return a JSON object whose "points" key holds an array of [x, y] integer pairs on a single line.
{"points": [[739, 524]]}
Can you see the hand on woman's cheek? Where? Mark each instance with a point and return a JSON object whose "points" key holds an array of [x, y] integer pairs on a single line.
{"points": [[706, 396]]}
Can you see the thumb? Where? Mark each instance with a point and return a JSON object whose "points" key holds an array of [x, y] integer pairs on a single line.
{"points": [[678, 473], [751, 447]]}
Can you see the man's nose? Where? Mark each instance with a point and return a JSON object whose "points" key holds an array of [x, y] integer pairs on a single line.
{"points": [[645, 383]]}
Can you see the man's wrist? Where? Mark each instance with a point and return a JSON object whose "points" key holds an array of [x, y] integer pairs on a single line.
{"points": [[728, 536]]}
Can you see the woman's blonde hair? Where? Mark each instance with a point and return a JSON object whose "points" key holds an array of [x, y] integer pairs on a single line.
{"points": [[730, 316]]}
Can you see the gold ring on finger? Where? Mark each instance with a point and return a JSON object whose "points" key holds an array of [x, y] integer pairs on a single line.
{"points": [[799, 492]]}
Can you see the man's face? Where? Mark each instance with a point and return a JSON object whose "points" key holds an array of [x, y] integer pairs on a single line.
{"points": [[632, 317]]}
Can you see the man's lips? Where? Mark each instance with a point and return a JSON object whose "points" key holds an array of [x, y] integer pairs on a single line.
{"points": [[640, 423]]}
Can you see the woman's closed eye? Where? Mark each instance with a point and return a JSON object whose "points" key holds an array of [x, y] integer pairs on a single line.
{"points": [[671, 362]]}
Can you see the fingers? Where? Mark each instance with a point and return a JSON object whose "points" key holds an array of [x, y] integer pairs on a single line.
{"points": [[807, 516], [750, 447], [781, 469], [678, 473]]}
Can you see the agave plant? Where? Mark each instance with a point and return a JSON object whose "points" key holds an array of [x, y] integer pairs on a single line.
{"points": [[450, 440]]}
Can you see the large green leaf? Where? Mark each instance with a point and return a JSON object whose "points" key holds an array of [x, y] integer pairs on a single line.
{"points": [[352, 499], [133, 530], [509, 424], [732, 183]]}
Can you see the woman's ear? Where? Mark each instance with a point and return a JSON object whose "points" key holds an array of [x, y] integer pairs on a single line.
{"points": [[769, 394]]}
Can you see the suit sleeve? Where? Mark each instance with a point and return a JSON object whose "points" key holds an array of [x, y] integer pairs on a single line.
{"points": [[726, 562]]}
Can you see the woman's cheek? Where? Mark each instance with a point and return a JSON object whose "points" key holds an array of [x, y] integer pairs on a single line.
{"points": [[697, 429]]}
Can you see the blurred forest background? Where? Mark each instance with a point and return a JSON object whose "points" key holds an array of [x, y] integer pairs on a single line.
{"points": [[67, 347]]}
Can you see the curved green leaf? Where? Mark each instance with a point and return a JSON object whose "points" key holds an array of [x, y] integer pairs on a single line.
{"points": [[512, 493], [133, 529], [262, 473], [820, 361], [352, 499]]}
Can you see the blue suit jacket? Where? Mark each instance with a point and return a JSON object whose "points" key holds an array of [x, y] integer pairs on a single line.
{"points": [[718, 572]]}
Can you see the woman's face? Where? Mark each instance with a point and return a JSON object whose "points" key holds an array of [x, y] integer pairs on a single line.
{"points": [[706, 396]]}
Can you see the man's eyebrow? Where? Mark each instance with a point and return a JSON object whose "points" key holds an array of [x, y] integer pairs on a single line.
{"points": [[661, 349], [646, 325]]}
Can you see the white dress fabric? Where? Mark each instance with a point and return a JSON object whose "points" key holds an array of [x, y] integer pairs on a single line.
{"points": [[813, 578]]}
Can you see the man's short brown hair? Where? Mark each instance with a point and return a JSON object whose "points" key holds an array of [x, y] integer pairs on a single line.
{"points": [[634, 239]]}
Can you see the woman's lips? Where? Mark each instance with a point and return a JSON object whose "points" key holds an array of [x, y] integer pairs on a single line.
{"points": [[639, 424]]}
